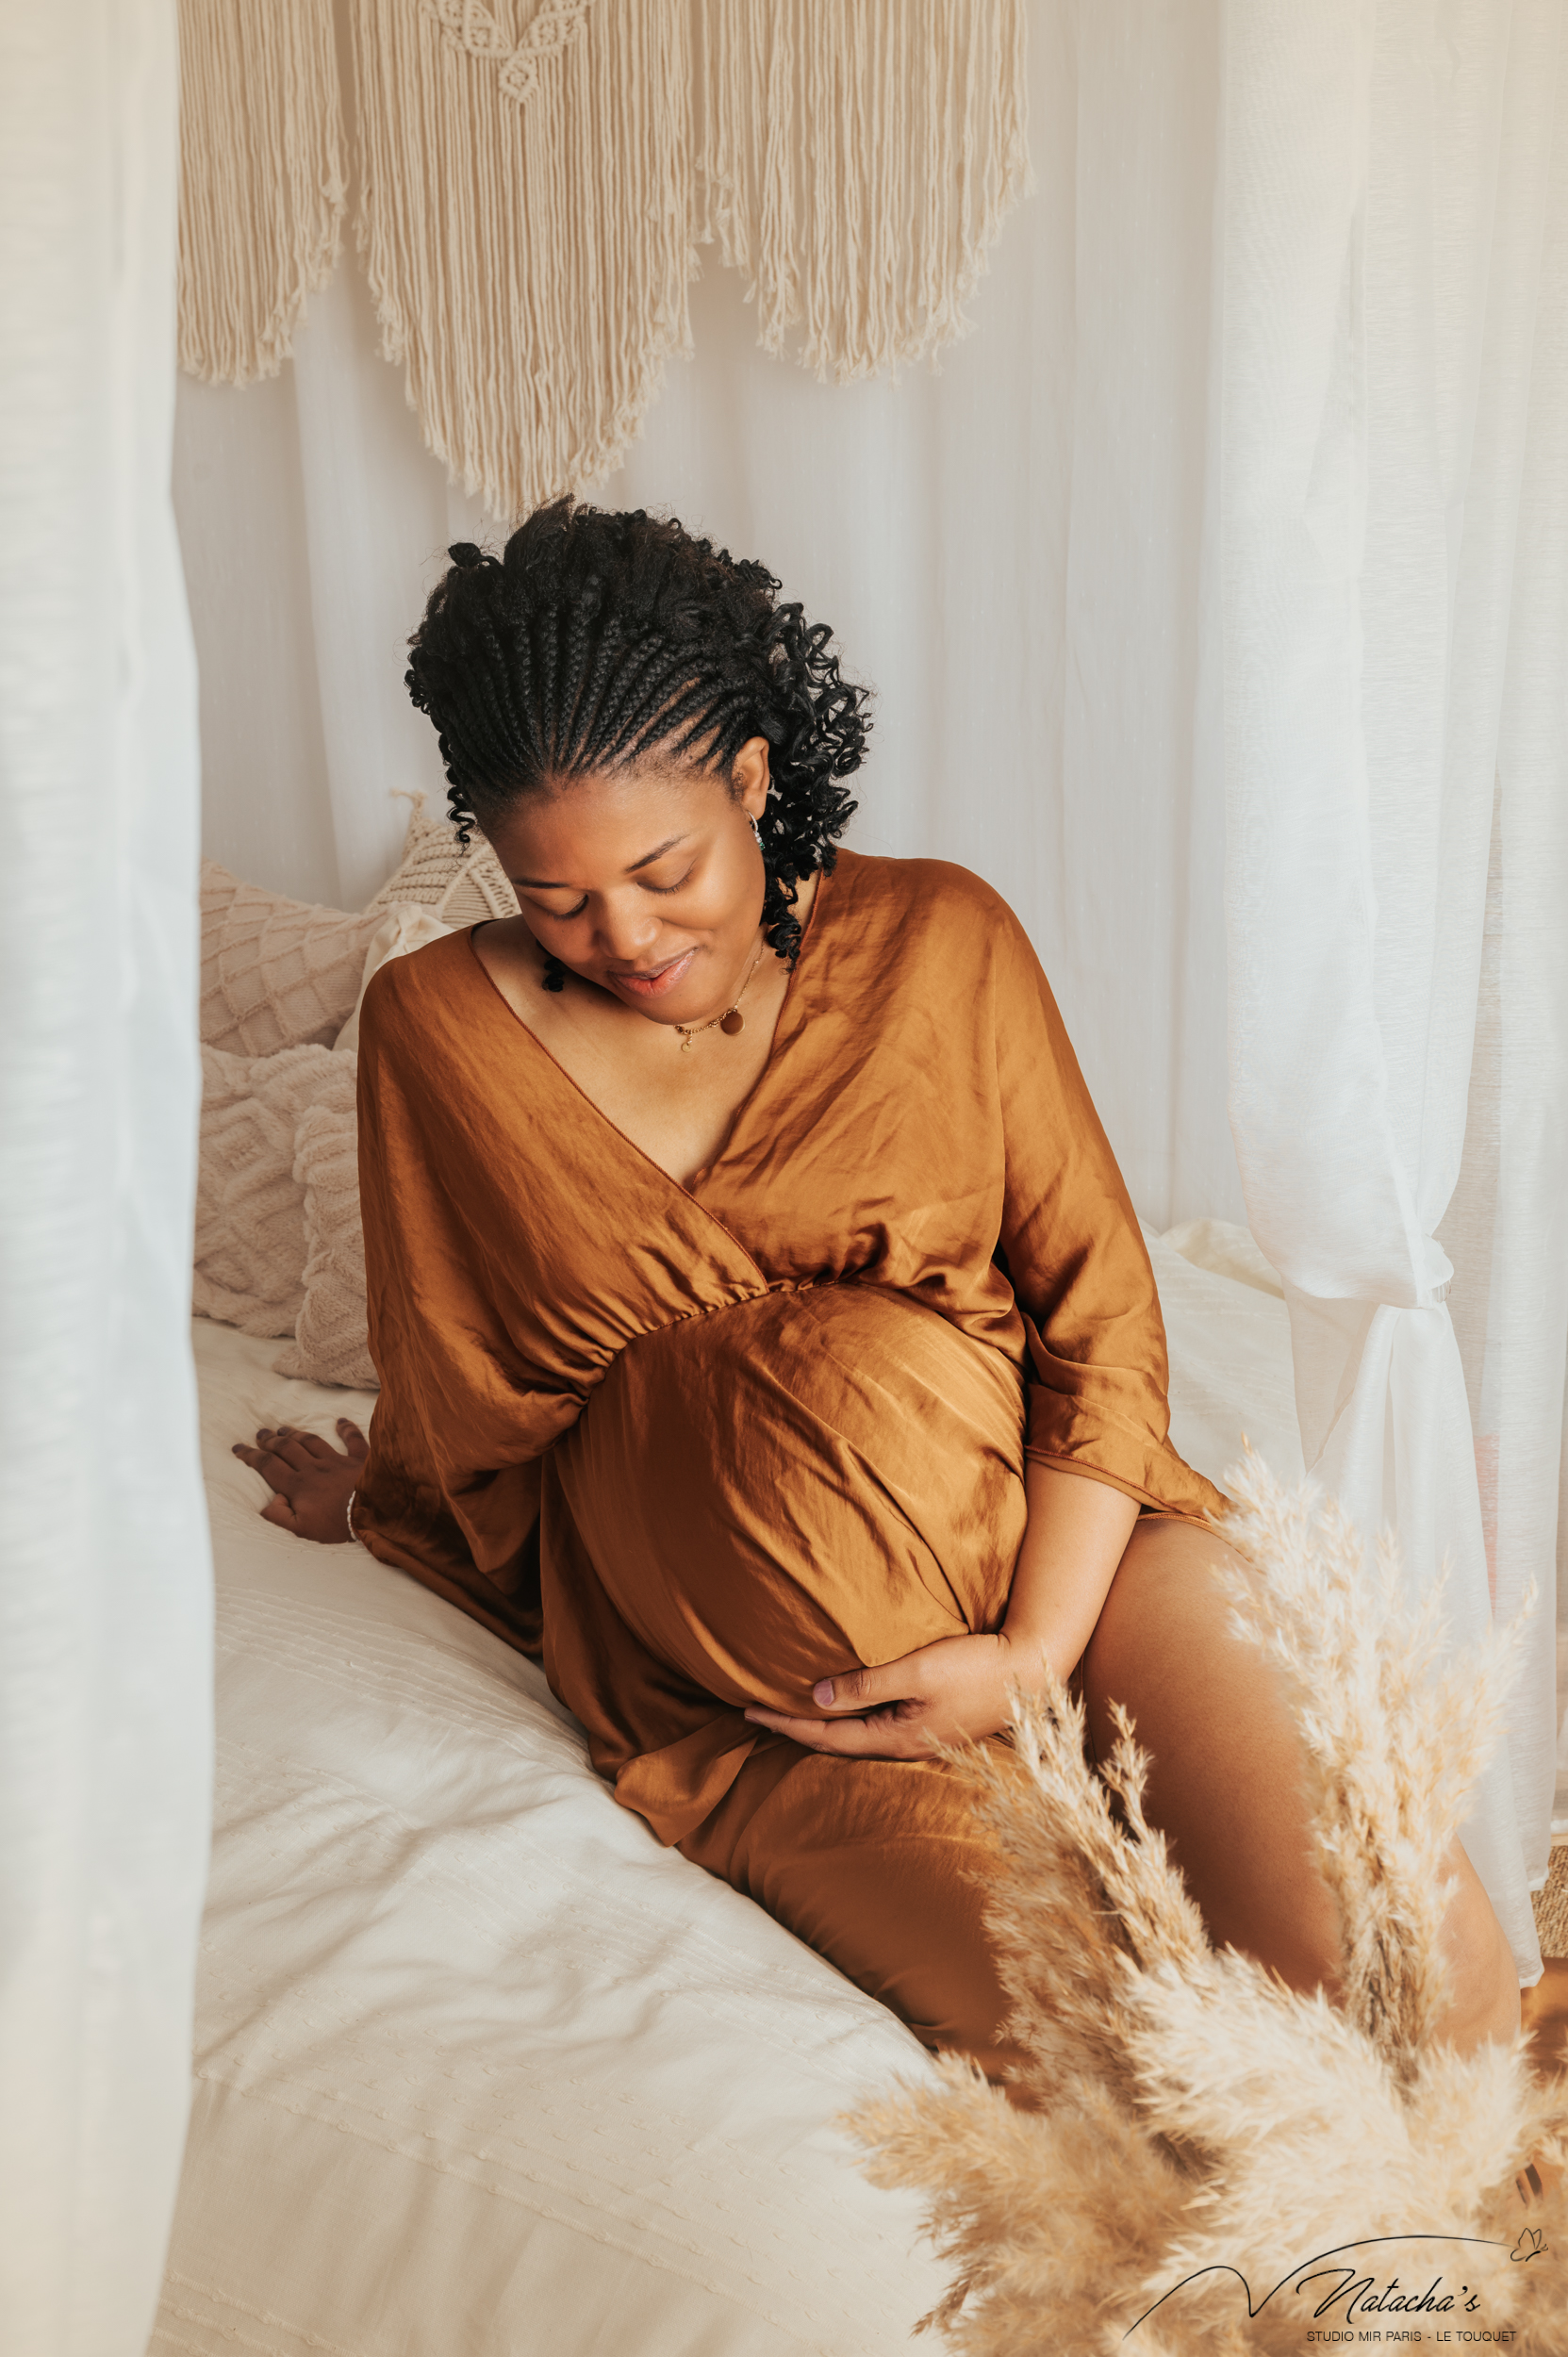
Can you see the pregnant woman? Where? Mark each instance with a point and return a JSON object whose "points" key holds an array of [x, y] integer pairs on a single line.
{"points": [[764, 1329]]}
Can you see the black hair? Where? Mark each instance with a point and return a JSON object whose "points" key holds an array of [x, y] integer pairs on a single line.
{"points": [[600, 638]]}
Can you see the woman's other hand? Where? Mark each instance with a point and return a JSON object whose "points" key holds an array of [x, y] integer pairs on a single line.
{"points": [[313, 1482], [958, 1687]]}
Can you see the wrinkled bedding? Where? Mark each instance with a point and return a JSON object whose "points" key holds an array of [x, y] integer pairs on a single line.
{"points": [[480, 2067]]}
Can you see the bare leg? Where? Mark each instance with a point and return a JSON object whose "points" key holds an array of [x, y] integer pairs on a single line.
{"points": [[1225, 1781]]}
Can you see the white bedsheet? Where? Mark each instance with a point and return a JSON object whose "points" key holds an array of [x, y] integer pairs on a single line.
{"points": [[480, 2067]]}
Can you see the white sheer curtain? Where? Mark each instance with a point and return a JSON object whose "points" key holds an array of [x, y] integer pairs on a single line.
{"points": [[105, 1588], [1395, 569], [1027, 554]]}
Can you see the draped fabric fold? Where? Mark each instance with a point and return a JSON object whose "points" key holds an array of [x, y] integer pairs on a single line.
{"points": [[1391, 186]]}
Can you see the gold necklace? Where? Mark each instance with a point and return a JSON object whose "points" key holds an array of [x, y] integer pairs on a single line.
{"points": [[730, 1022]]}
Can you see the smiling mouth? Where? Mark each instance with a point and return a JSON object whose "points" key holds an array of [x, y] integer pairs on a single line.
{"points": [[650, 981]]}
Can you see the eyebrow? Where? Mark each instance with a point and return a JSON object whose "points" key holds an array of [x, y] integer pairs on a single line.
{"points": [[537, 883]]}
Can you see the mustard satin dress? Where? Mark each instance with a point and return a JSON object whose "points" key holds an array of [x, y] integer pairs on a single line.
{"points": [[705, 1445]]}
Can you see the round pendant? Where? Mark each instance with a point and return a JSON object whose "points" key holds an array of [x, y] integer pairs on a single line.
{"points": [[732, 1023]]}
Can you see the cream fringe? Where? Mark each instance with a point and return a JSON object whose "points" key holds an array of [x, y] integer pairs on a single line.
{"points": [[529, 267], [261, 179], [531, 201], [857, 159]]}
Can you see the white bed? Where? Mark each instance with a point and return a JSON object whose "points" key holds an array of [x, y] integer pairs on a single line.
{"points": [[480, 2069]]}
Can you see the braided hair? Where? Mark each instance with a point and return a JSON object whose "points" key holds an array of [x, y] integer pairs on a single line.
{"points": [[598, 639]]}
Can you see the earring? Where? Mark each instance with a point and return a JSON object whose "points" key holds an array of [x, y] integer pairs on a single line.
{"points": [[756, 832]]}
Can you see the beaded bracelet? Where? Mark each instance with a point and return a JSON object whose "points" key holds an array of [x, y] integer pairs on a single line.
{"points": [[349, 1513]]}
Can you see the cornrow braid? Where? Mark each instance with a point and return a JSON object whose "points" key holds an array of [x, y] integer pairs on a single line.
{"points": [[598, 639]]}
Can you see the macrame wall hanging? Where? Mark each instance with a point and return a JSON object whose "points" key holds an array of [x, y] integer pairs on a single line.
{"points": [[524, 217], [536, 179], [857, 159], [261, 179]]}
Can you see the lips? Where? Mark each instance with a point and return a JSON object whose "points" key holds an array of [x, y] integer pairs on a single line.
{"points": [[656, 981]]}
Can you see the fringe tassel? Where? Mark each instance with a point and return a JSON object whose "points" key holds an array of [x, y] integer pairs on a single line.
{"points": [[856, 160], [525, 219], [261, 179]]}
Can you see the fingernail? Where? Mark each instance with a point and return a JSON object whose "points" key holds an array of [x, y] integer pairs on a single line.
{"points": [[822, 1694]]}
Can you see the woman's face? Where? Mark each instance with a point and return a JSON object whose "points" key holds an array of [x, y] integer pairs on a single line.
{"points": [[647, 880]]}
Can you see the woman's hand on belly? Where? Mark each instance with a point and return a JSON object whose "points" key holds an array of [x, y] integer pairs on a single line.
{"points": [[963, 1685], [959, 1688]]}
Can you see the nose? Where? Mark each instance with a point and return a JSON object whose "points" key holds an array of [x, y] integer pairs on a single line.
{"points": [[625, 933]]}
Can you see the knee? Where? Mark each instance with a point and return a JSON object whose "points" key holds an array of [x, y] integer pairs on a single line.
{"points": [[1483, 1980]]}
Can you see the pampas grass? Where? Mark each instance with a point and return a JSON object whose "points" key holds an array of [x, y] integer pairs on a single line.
{"points": [[1196, 2119]]}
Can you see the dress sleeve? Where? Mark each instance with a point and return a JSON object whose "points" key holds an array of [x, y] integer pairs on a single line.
{"points": [[452, 1486], [1097, 1376]]}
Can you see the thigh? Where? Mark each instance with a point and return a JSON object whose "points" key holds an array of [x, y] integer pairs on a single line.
{"points": [[1226, 1783], [881, 1866]]}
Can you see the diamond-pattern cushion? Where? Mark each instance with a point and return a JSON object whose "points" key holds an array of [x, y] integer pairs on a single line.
{"points": [[275, 973]]}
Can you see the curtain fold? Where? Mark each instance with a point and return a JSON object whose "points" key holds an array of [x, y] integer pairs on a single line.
{"points": [[1392, 176], [105, 1583]]}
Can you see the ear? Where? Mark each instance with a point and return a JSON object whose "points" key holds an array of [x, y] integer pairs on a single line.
{"points": [[750, 777]]}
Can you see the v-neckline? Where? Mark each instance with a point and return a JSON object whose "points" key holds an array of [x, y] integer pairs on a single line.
{"points": [[790, 1001]]}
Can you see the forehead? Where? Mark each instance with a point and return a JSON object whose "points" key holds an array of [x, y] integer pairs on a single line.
{"points": [[606, 822]]}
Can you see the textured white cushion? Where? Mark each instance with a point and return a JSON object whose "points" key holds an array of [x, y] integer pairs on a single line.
{"points": [[461, 887], [279, 1246], [275, 973], [251, 1240], [330, 1343]]}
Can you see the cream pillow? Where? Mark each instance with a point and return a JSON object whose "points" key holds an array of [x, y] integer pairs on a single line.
{"points": [[279, 1246], [251, 1244], [405, 926], [460, 887], [330, 1345], [275, 973]]}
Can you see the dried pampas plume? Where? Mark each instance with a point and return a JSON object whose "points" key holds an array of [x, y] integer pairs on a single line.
{"points": [[1199, 2125]]}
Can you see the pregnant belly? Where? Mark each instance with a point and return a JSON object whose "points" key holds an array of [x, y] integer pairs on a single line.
{"points": [[800, 1484]]}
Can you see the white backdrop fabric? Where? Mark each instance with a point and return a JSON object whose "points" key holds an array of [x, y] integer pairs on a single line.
{"points": [[1072, 564], [105, 1612], [1394, 493]]}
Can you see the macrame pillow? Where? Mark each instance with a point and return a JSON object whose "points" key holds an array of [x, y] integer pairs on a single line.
{"points": [[279, 1246], [330, 1345], [460, 887], [275, 973], [251, 1240]]}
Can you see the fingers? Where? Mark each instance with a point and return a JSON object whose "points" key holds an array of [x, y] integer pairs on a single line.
{"points": [[293, 1448], [882, 1737], [274, 1471], [865, 1689], [278, 1509], [285, 1450]]}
